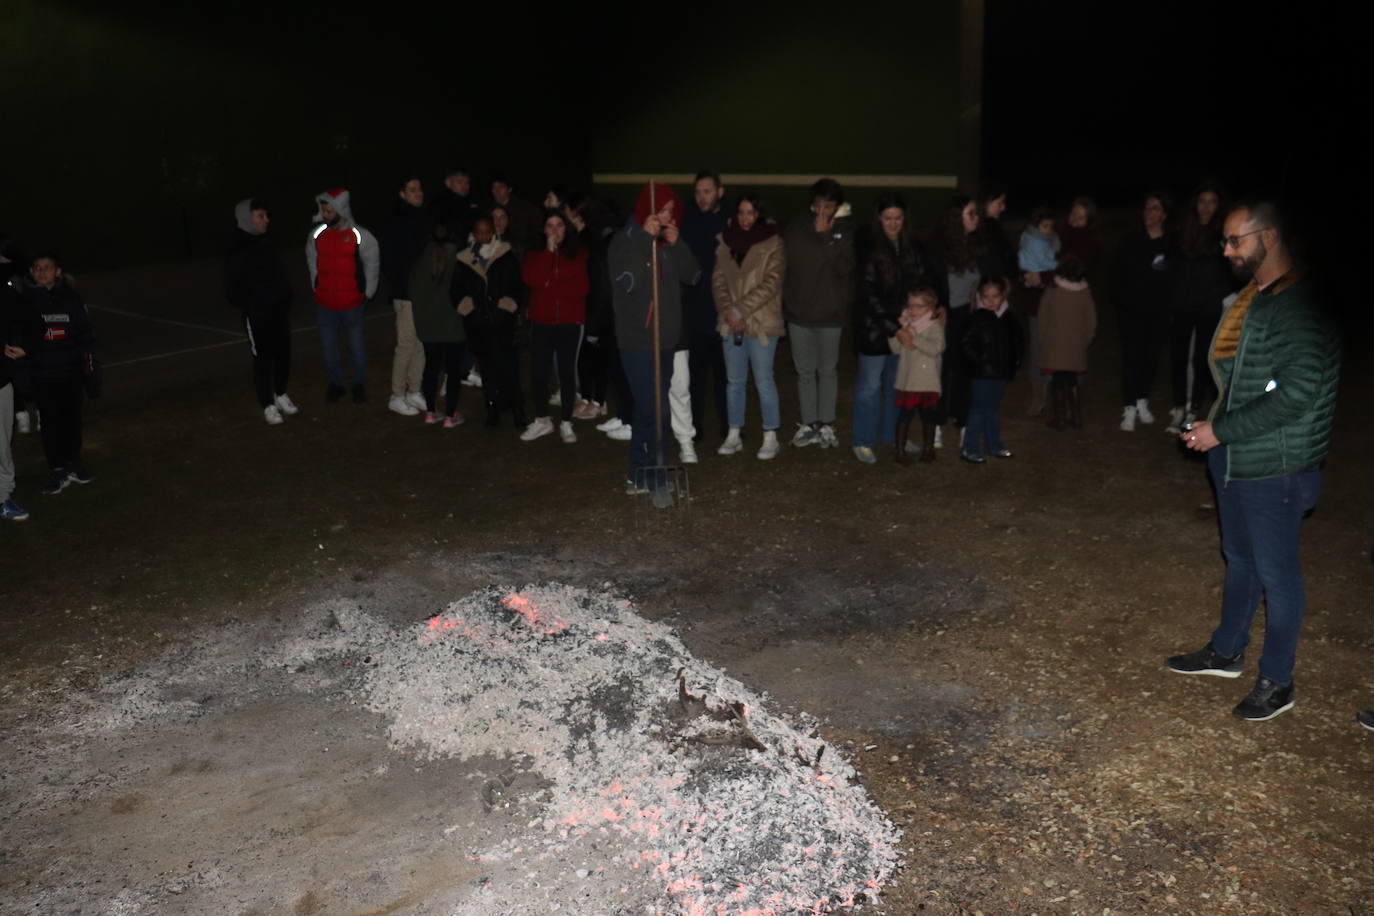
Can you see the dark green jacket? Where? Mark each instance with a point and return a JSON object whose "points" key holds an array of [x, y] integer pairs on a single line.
{"points": [[432, 305], [1279, 391]]}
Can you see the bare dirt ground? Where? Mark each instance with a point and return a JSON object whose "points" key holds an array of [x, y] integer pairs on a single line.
{"points": [[986, 643]]}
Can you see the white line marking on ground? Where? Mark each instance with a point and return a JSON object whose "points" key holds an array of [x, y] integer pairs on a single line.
{"points": [[214, 346], [180, 324]]}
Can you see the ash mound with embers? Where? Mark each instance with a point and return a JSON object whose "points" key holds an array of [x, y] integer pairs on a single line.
{"points": [[663, 785]]}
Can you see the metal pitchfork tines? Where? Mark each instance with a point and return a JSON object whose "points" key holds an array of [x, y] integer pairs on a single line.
{"points": [[667, 483]]}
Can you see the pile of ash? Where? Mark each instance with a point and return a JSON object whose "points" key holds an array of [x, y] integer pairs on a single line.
{"points": [[648, 782]]}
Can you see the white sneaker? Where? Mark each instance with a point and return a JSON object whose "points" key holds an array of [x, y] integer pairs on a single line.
{"points": [[400, 405], [608, 425], [1175, 420], [939, 437], [272, 415], [622, 433], [688, 450], [556, 400], [828, 437], [769, 449], [731, 445], [541, 426], [473, 380], [22, 418], [1128, 419], [565, 432], [286, 405], [417, 400], [805, 436], [1142, 412]]}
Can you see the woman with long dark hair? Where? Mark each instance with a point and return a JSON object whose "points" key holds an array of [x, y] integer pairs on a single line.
{"points": [[895, 263], [556, 277], [1141, 288], [487, 291], [1202, 280]]}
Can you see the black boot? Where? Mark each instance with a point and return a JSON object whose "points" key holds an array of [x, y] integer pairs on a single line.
{"points": [[1075, 406], [927, 442], [493, 414], [903, 431], [1059, 406]]}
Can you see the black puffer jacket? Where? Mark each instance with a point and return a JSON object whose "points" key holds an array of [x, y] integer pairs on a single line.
{"points": [[496, 293], [992, 345], [1202, 277], [405, 238], [254, 278], [887, 272]]}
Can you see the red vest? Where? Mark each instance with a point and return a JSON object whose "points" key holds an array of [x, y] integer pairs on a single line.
{"points": [[339, 281]]}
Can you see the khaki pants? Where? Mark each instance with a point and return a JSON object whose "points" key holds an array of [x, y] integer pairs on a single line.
{"points": [[408, 362]]}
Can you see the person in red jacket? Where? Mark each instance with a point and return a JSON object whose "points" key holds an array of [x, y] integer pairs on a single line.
{"points": [[345, 262], [556, 276]]}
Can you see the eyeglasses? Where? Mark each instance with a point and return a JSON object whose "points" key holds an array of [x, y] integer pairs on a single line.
{"points": [[1233, 241]]}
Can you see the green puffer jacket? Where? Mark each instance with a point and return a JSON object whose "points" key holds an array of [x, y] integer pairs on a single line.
{"points": [[1279, 390]]}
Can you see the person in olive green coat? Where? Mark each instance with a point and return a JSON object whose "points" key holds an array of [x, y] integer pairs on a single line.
{"points": [[1276, 358], [438, 326]]}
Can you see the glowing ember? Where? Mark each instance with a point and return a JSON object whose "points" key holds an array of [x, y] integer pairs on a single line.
{"points": [[664, 796]]}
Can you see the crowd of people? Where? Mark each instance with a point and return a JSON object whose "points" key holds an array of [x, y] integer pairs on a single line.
{"points": [[676, 307]]}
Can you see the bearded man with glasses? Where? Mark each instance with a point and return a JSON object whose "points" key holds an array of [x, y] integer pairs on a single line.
{"points": [[1276, 361]]}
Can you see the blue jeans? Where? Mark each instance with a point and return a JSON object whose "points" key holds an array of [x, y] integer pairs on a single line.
{"points": [[983, 431], [639, 370], [751, 354], [350, 322], [875, 401], [1260, 523]]}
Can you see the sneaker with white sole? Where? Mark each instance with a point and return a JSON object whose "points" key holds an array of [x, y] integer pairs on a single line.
{"points": [[473, 380], [586, 410], [286, 405], [10, 511], [939, 437], [608, 425], [1207, 661], [1142, 412], [827, 436], [805, 435], [417, 400], [622, 433], [1176, 415], [865, 454], [1265, 701], [541, 426], [79, 475], [565, 432], [21, 417], [432, 417], [56, 483], [556, 399], [272, 414], [1365, 716], [453, 421], [400, 405], [1128, 419], [769, 450], [731, 445], [687, 450]]}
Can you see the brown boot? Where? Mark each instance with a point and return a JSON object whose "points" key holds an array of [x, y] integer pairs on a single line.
{"points": [[1059, 406], [1075, 404], [903, 431], [927, 442]]}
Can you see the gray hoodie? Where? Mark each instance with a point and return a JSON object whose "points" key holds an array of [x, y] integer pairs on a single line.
{"points": [[368, 248], [243, 216]]}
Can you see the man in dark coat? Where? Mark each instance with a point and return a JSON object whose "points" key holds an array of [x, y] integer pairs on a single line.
{"points": [[703, 222], [255, 283], [404, 239]]}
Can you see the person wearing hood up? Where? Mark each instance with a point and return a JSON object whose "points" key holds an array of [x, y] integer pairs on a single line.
{"points": [[345, 262], [652, 233], [255, 283], [816, 297], [404, 239]]}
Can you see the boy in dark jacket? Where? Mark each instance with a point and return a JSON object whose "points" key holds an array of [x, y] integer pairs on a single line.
{"points": [[992, 345], [255, 283]]}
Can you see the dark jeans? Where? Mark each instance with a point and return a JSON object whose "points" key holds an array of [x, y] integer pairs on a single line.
{"points": [[1260, 523], [1143, 333], [644, 446], [448, 357], [983, 432], [333, 323], [269, 340], [1197, 328], [546, 341], [59, 405], [706, 362]]}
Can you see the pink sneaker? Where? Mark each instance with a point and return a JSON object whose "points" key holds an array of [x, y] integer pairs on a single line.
{"points": [[431, 418], [454, 421], [585, 410]]}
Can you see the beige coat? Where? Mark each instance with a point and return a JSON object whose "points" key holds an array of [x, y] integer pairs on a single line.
{"points": [[752, 289], [1067, 323], [919, 369]]}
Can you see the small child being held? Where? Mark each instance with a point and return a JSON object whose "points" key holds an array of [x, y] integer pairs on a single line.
{"points": [[919, 344]]}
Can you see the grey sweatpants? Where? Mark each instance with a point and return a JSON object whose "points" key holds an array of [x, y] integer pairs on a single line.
{"points": [[6, 432], [815, 353]]}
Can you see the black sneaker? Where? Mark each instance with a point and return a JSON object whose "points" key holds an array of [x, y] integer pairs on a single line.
{"points": [[57, 483], [335, 393], [1207, 661], [359, 394], [79, 475], [1366, 718], [1266, 701]]}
